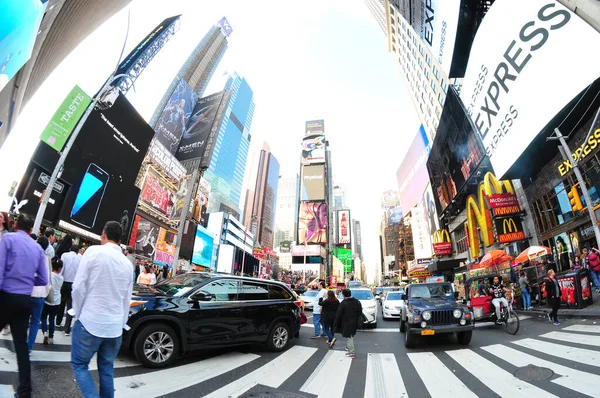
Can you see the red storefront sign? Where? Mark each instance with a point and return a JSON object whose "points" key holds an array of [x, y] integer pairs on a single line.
{"points": [[442, 249], [504, 204], [333, 281]]}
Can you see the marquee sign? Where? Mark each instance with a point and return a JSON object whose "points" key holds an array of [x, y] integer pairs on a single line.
{"points": [[509, 229]]}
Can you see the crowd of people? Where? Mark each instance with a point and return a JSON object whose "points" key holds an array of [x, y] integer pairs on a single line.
{"points": [[43, 282]]}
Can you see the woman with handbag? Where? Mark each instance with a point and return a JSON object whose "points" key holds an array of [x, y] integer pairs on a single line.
{"points": [[329, 309]]}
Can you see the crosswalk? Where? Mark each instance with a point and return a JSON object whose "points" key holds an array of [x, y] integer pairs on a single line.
{"points": [[571, 353]]}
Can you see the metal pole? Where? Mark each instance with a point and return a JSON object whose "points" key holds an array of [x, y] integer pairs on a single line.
{"points": [[184, 213], [63, 156], [586, 194]]}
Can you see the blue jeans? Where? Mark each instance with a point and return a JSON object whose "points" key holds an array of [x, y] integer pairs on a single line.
{"points": [[526, 298], [317, 323], [328, 330], [85, 345], [37, 305], [595, 280]]}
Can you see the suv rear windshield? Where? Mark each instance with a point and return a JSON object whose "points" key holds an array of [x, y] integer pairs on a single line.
{"points": [[180, 284], [394, 296], [431, 291]]}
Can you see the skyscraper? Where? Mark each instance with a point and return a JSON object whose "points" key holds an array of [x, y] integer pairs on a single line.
{"points": [[261, 197], [286, 215], [228, 162], [200, 65], [357, 239], [377, 8]]}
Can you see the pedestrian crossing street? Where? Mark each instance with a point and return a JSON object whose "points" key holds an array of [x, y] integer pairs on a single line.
{"points": [[572, 353]]}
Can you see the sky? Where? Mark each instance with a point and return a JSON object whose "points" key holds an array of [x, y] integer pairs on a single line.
{"points": [[318, 60]]}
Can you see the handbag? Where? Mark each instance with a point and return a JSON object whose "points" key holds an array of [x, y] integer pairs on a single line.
{"points": [[50, 296], [303, 318]]}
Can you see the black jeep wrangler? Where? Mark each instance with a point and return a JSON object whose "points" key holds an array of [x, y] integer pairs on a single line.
{"points": [[431, 309]]}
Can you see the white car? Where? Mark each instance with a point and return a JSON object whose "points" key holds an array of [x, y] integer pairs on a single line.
{"points": [[392, 304], [368, 303], [310, 299]]}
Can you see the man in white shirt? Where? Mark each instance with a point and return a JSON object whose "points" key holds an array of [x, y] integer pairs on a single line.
{"points": [[317, 312], [101, 297], [51, 235], [71, 262]]}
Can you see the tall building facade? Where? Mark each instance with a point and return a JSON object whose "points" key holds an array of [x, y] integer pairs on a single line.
{"points": [[377, 8], [261, 198], [286, 216], [230, 154], [200, 65], [357, 239]]}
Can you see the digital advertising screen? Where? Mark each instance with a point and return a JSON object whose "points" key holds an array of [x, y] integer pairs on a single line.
{"points": [[314, 127], [313, 182], [102, 168], [412, 174], [171, 125], [30, 191], [144, 237], [203, 247], [156, 194], [165, 247], [313, 149], [344, 230], [312, 223], [198, 128]]}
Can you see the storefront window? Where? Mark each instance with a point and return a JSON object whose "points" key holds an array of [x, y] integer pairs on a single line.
{"points": [[564, 212]]}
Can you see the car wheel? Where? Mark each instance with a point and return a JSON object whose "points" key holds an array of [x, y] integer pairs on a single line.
{"points": [[464, 338], [409, 339], [156, 346], [402, 326], [279, 337]]}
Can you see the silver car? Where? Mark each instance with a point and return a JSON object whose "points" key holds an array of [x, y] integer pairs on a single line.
{"points": [[392, 304], [310, 299]]}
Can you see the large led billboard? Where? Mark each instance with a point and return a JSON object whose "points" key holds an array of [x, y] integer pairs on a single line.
{"points": [[157, 194], [524, 68], [144, 237], [197, 132], [314, 127], [165, 247], [313, 149], [34, 183], [343, 226], [171, 125], [412, 174], [312, 223], [19, 26], [102, 168], [456, 153], [313, 182], [203, 247]]}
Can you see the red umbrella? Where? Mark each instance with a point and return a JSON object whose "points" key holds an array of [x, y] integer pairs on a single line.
{"points": [[494, 257]]}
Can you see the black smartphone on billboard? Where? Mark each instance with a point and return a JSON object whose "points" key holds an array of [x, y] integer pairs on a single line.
{"points": [[89, 197]]}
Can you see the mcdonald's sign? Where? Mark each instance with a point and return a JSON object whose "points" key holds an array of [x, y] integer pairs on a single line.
{"points": [[502, 204], [442, 246], [509, 229], [478, 215]]}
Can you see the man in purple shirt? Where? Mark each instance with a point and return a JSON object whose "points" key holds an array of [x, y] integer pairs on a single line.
{"points": [[22, 266]]}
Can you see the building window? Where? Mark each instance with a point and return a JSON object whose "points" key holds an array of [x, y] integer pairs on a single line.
{"points": [[427, 74], [436, 72], [441, 99], [444, 86], [392, 10], [428, 59], [393, 48], [421, 49], [433, 85], [460, 239]]}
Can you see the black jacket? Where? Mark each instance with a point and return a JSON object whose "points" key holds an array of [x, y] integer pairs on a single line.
{"points": [[551, 289], [348, 315], [328, 311]]}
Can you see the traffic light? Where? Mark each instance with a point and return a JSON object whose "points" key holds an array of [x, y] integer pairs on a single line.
{"points": [[574, 199]]}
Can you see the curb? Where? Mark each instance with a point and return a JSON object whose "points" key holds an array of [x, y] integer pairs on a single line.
{"points": [[562, 314]]}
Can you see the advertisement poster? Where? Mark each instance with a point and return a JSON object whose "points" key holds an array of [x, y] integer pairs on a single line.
{"points": [[313, 127], [203, 247], [313, 182], [198, 129], [586, 289], [200, 209], [165, 247], [420, 231], [156, 194], [510, 112], [65, 118], [567, 288], [166, 161], [343, 227], [144, 237], [412, 174], [433, 221], [313, 150], [171, 124], [312, 223], [345, 256]]}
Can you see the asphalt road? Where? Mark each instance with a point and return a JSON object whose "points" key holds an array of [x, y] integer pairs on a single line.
{"points": [[566, 363]]}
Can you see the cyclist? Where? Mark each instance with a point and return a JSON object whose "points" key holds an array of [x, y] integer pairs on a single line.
{"points": [[498, 292]]}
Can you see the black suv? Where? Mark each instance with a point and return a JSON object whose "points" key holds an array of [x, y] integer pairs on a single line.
{"points": [[431, 309], [205, 311]]}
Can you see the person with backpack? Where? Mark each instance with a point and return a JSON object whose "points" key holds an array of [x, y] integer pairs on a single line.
{"points": [[347, 318], [592, 263]]}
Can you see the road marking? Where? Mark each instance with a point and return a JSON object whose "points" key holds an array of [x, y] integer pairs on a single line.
{"points": [[573, 338], [583, 328], [376, 330], [272, 374], [562, 351], [383, 377], [8, 359], [438, 379], [173, 379], [574, 379], [320, 381], [493, 376]]}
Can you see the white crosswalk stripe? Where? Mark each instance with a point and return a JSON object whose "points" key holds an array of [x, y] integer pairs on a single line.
{"points": [[433, 371], [580, 355], [320, 381], [583, 328], [383, 377], [573, 338]]}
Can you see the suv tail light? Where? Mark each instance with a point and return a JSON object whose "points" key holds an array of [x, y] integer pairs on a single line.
{"points": [[298, 303]]}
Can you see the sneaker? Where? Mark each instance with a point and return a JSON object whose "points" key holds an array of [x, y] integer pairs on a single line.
{"points": [[549, 318], [350, 355], [67, 333], [46, 339], [347, 350], [50, 340], [332, 342], [6, 331], [314, 336], [556, 323], [324, 336]]}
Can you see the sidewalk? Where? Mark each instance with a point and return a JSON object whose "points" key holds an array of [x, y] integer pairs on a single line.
{"points": [[589, 312]]}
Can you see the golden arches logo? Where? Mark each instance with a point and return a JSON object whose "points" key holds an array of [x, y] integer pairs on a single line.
{"points": [[490, 181], [510, 225], [479, 215], [441, 236]]}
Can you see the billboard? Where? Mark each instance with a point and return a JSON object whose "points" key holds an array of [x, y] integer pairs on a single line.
{"points": [[521, 73], [144, 237], [412, 174], [313, 127], [313, 182], [65, 118], [166, 161], [343, 224], [102, 168], [34, 183], [203, 247], [19, 25], [313, 149], [157, 194], [197, 132], [509, 229], [285, 246], [433, 222], [224, 24], [345, 256], [312, 223], [436, 22], [420, 232], [455, 154], [201, 206], [165, 247], [171, 125]]}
